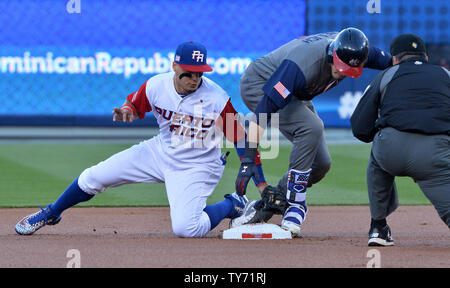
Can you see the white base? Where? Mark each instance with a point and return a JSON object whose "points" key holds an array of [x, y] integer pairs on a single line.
{"points": [[256, 232]]}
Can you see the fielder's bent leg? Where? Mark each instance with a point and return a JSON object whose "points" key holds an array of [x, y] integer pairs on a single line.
{"points": [[71, 196], [187, 192], [121, 168], [51, 215], [125, 167]]}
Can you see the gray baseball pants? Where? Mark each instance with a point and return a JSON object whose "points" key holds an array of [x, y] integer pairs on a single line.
{"points": [[425, 158], [300, 124]]}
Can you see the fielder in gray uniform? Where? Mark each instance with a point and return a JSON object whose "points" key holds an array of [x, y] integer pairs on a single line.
{"points": [[405, 111], [284, 81]]}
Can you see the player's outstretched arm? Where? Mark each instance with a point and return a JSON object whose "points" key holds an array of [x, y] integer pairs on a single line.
{"points": [[126, 113], [233, 130], [249, 168], [135, 106]]}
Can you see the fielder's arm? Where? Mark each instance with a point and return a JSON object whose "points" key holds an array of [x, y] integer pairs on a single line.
{"points": [[126, 113], [234, 132], [255, 132], [135, 106]]}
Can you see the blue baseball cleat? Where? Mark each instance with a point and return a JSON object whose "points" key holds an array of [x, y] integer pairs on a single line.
{"points": [[33, 222], [238, 204]]}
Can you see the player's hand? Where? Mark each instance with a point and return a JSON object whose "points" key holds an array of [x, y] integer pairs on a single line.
{"points": [[262, 187], [124, 115], [247, 170]]}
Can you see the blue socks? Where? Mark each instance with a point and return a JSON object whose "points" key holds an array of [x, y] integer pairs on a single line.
{"points": [[218, 211], [72, 196]]}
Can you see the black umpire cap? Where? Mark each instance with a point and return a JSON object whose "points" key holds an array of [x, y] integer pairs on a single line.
{"points": [[407, 43]]}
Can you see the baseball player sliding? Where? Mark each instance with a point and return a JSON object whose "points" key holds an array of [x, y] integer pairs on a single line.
{"points": [[191, 111]]}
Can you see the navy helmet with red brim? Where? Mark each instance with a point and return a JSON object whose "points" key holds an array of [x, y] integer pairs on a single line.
{"points": [[350, 52], [346, 69]]}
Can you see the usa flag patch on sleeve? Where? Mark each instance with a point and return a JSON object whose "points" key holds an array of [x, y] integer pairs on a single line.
{"points": [[284, 92]]}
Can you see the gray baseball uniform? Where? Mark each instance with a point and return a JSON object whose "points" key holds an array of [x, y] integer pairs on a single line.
{"points": [[285, 81], [406, 113]]}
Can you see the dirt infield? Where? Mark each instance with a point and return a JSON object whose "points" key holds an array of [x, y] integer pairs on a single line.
{"points": [[141, 237]]}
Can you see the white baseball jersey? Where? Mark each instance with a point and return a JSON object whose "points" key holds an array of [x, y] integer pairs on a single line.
{"points": [[187, 123]]}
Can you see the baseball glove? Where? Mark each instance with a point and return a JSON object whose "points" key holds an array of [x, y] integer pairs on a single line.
{"points": [[272, 201]]}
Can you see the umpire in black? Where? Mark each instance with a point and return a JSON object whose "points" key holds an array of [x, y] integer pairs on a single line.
{"points": [[405, 111]]}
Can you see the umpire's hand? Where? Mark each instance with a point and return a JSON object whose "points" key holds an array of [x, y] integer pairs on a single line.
{"points": [[247, 170]]}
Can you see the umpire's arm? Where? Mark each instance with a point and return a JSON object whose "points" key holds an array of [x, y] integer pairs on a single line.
{"points": [[366, 113]]}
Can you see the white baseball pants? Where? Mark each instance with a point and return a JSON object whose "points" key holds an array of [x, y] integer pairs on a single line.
{"points": [[188, 185]]}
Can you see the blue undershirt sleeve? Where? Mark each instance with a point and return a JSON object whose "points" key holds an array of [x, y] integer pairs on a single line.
{"points": [[279, 89], [378, 59]]}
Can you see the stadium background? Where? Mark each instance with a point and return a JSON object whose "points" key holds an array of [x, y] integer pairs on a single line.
{"points": [[42, 46]]}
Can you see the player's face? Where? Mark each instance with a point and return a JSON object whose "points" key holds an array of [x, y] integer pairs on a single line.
{"points": [[336, 74], [186, 82]]}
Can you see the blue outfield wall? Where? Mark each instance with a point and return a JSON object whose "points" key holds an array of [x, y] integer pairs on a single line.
{"points": [[71, 67], [58, 68]]}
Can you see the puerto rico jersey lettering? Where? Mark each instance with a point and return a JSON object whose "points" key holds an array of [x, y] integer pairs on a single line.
{"points": [[187, 124]]}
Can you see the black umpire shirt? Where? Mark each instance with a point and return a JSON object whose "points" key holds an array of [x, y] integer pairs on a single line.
{"points": [[413, 96]]}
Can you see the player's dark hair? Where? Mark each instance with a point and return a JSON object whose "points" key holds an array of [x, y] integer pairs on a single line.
{"points": [[405, 55]]}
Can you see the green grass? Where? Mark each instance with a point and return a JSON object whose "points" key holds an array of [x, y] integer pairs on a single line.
{"points": [[36, 174]]}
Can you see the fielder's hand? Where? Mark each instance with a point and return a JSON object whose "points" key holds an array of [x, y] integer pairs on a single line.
{"points": [[124, 115]]}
